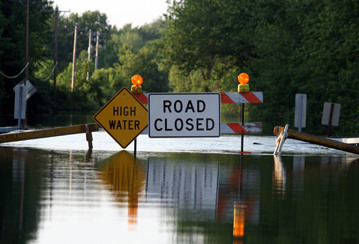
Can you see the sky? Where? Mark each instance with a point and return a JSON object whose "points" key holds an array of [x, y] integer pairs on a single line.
{"points": [[119, 12]]}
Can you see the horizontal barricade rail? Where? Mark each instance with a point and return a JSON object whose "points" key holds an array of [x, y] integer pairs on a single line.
{"points": [[61, 131], [229, 97], [235, 128], [226, 97]]}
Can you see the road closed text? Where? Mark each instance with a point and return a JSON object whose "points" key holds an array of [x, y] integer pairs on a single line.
{"points": [[199, 124], [184, 115]]}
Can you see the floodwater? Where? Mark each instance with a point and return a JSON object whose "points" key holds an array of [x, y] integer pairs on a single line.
{"points": [[176, 191]]}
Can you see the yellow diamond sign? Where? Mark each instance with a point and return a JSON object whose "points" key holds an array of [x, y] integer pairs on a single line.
{"points": [[123, 117]]}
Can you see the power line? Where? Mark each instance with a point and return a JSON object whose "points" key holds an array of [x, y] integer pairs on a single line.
{"points": [[50, 73], [13, 77]]}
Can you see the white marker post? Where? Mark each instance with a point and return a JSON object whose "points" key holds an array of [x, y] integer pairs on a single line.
{"points": [[20, 104], [300, 111]]}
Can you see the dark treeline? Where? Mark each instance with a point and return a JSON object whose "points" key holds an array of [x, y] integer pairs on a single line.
{"points": [[122, 53], [286, 46]]}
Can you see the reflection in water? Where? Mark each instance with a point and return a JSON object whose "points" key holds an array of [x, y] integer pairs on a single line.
{"points": [[18, 177], [127, 180], [279, 177], [239, 210], [70, 174], [18, 206], [298, 176], [184, 185], [176, 198], [238, 222]]}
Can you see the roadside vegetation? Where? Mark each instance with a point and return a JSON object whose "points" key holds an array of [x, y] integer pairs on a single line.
{"points": [[286, 47]]}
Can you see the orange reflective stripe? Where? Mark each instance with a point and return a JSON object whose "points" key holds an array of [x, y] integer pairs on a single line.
{"points": [[236, 127]]}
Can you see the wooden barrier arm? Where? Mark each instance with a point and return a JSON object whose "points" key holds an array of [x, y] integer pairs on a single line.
{"points": [[48, 133], [317, 140]]}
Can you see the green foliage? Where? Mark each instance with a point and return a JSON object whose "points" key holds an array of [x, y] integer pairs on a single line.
{"points": [[12, 45], [89, 20], [286, 46]]}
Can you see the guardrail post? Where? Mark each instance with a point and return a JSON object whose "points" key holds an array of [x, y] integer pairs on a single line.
{"points": [[89, 136]]}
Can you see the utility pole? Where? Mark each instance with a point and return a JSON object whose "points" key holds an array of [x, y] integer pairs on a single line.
{"points": [[27, 23], [55, 49], [97, 40], [97, 47], [89, 55], [74, 60], [27, 43], [74, 55]]}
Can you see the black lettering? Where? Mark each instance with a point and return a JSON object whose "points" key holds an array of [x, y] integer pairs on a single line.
{"points": [[130, 124], [166, 128], [124, 124], [133, 110], [158, 129], [118, 125], [167, 104], [137, 124], [199, 124], [189, 106], [199, 110], [115, 110], [175, 106], [112, 124], [188, 122], [181, 125], [125, 111], [207, 124]]}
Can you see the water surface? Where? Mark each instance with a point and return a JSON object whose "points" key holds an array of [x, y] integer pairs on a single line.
{"points": [[176, 191]]}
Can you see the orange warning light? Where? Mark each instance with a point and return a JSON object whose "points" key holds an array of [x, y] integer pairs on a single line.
{"points": [[238, 221], [243, 78], [137, 80]]}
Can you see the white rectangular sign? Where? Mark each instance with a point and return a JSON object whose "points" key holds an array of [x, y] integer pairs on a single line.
{"points": [[335, 114], [20, 102], [184, 115], [30, 89], [300, 110]]}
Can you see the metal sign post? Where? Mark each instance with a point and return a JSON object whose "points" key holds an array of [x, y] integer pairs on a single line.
{"points": [[23, 91], [242, 120], [331, 113], [20, 103]]}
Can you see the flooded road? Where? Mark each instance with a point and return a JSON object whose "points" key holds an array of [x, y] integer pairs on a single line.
{"points": [[176, 191]]}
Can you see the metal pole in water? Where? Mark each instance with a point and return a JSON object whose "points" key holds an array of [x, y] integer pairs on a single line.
{"points": [[20, 102], [330, 119], [135, 147], [317, 140], [242, 135], [300, 113]]}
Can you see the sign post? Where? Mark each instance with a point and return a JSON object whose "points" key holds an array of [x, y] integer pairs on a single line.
{"points": [[300, 111], [184, 115], [20, 103], [331, 113], [123, 117], [23, 91]]}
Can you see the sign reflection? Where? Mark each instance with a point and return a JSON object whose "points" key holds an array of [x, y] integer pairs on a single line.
{"points": [[127, 180]]}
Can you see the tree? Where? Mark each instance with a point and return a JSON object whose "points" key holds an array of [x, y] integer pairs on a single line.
{"points": [[192, 40], [12, 45], [92, 20], [143, 63], [330, 58]]}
